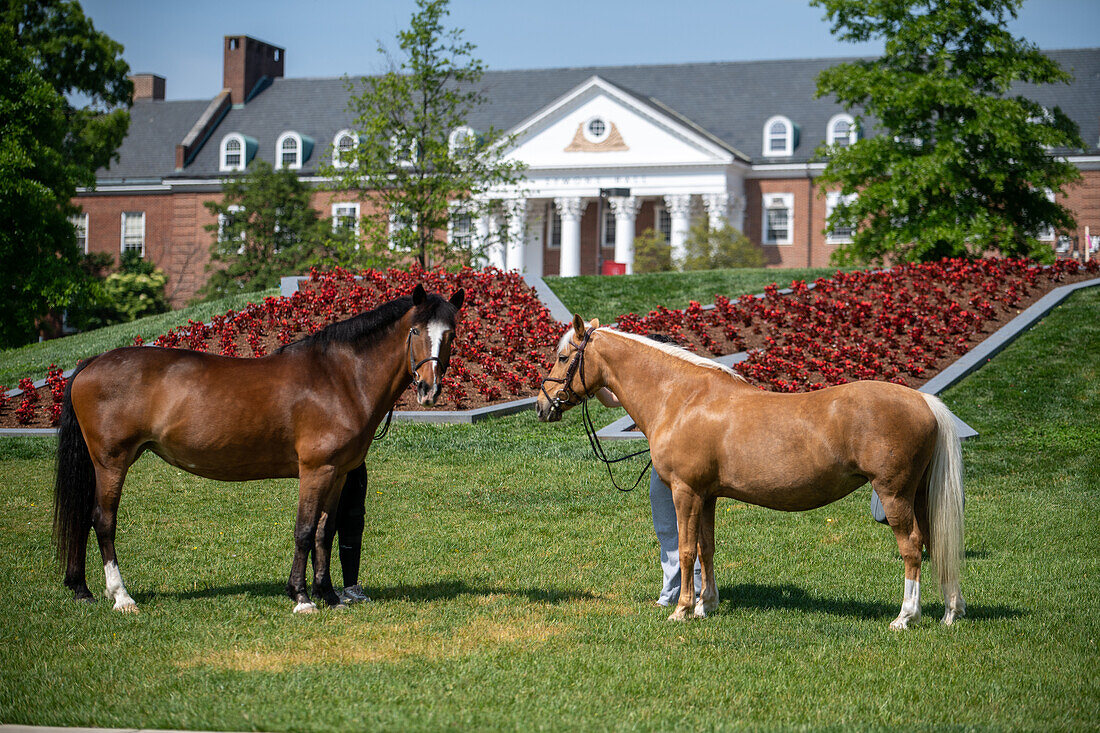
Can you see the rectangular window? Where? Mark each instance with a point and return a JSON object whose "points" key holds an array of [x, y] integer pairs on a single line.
{"points": [[608, 228], [839, 234], [664, 223], [80, 221], [554, 222], [133, 232], [778, 218], [462, 231], [402, 228], [345, 216]]}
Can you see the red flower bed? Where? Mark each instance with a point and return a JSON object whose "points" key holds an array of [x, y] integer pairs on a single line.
{"points": [[901, 325], [505, 336]]}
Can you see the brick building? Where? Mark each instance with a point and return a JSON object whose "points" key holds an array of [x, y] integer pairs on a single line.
{"points": [[730, 141]]}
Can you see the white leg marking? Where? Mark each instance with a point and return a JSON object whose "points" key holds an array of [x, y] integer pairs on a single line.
{"points": [[910, 606], [116, 591], [307, 607]]}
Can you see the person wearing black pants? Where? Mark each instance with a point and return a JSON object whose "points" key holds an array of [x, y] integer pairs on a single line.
{"points": [[349, 533]]}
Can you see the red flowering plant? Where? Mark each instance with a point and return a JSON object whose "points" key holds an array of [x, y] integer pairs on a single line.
{"points": [[901, 325]]}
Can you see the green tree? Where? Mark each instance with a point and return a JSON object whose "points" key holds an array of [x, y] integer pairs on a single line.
{"points": [[266, 229], [50, 52], [412, 158], [719, 248], [959, 165], [652, 252]]}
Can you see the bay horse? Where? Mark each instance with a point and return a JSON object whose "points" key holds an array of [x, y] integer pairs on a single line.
{"points": [[307, 411], [712, 434]]}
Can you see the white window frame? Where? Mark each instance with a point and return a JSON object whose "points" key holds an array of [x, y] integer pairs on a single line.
{"points": [[787, 201], [455, 233], [80, 221], [553, 218], [297, 164], [223, 163], [830, 131], [223, 220], [661, 212], [122, 231], [788, 148], [337, 218], [593, 137], [460, 133], [1047, 235], [832, 199], [609, 226], [337, 161]]}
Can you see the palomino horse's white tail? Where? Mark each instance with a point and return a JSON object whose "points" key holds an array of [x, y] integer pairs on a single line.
{"points": [[944, 482]]}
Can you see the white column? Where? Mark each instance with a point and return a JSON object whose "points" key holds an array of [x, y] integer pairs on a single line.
{"points": [[481, 240], [495, 250], [679, 208], [570, 209], [717, 205], [625, 209], [516, 209], [536, 220]]}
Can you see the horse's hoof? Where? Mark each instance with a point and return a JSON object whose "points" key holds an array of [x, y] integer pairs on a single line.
{"points": [[700, 612], [306, 607], [680, 614], [130, 607], [899, 624], [88, 599]]}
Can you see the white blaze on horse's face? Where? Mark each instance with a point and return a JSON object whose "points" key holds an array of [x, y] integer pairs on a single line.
{"points": [[440, 334]]}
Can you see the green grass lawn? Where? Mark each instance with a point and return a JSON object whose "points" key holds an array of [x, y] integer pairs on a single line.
{"points": [[514, 589], [607, 298], [33, 360]]}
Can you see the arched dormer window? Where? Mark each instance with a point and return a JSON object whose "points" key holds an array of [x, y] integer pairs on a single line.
{"points": [[233, 152], [779, 136], [288, 151], [461, 139], [343, 148], [842, 131]]}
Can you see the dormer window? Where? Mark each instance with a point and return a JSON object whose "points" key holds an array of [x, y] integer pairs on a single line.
{"points": [[233, 152], [779, 134], [343, 149], [462, 138], [288, 151], [842, 131]]}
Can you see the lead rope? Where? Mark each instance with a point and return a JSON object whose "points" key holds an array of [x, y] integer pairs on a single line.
{"points": [[594, 439]]}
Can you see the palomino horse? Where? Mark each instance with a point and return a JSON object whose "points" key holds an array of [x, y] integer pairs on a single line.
{"points": [[712, 434], [309, 410]]}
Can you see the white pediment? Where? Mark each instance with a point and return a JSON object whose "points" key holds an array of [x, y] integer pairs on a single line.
{"points": [[636, 132]]}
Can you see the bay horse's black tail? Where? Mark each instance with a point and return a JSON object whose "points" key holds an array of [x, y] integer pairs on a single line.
{"points": [[74, 493]]}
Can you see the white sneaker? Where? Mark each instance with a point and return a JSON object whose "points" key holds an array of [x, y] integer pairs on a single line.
{"points": [[352, 594]]}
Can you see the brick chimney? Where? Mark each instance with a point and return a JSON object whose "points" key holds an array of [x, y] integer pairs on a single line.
{"points": [[147, 86], [246, 62]]}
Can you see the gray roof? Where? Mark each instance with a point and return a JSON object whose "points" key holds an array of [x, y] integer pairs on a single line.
{"points": [[729, 100]]}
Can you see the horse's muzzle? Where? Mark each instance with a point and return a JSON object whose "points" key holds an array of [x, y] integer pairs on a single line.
{"points": [[547, 411], [428, 392]]}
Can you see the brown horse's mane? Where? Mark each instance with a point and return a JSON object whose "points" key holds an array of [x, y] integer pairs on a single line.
{"points": [[368, 328]]}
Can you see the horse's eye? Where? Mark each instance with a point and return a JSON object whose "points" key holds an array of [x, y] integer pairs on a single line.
{"points": [[415, 331], [563, 358]]}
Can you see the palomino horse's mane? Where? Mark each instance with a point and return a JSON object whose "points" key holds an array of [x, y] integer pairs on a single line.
{"points": [[366, 329], [663, 346]]}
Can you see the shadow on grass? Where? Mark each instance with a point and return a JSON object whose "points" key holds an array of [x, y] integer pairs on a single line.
{"points": [[789, 597], [440, 590]]}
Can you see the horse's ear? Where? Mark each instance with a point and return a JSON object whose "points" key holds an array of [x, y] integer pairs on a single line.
{"points": [[458, 298], [595, 323], [419, 295], [578, 325]]}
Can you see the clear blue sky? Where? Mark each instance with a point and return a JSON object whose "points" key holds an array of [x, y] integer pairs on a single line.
{"points": [[182, 41]]}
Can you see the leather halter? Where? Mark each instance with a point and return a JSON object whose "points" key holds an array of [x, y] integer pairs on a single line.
{"points": [[414, 367], [574, 399]]}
